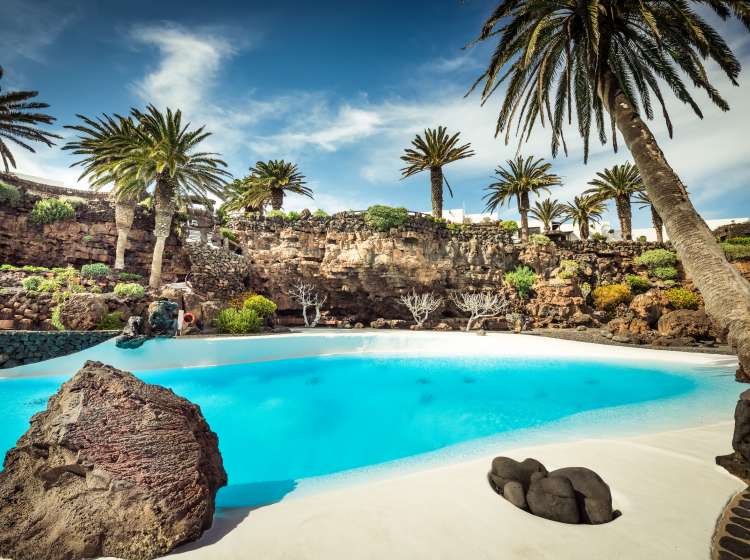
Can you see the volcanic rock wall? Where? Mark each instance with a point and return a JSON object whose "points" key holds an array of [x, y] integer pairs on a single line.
{"points": [[89, 237]]}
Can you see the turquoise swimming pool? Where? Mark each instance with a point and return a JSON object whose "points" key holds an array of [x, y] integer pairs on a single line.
{"points": [[282, 421]]}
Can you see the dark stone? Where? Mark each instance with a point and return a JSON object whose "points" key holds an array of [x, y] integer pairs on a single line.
{"points": [[132, 335], [592, 493], [513, 492], [738, 462], [112, 467], [162, 318], [505, 469], [553, 497]]}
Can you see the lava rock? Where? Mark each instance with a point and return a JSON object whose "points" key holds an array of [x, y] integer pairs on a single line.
{"points": [[162, 318], [83, 312], [685, 323], [553, 497], [112, 467], [513, 492], [505, 469], [133, 335], [738, 462], [592, 493]]}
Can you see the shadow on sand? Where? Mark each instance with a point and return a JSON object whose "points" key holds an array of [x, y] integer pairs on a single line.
{"points": [[234, 503]]}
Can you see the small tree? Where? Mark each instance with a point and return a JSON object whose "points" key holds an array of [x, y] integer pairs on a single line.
{"points": [[306, 296], [421, 305], [479, 305]]}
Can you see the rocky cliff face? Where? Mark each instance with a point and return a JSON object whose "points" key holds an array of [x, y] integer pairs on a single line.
{"points": [[363, 271], [113, 467]]}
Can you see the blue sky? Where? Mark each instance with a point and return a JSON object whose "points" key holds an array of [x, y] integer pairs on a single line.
{"points": [[339, 87]]}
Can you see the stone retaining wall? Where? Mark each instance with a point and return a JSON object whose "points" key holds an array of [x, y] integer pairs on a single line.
{"points": [[26, 347]]}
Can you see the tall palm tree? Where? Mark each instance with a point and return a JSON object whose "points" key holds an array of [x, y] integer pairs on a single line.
{"points": [[103, 141], [522, 178], [246, 195], [18, 117], [610, 55], [547, 212], [619, 183], [584, 210], [433, 152], [161, 152], [270, 181], [641, 197]]}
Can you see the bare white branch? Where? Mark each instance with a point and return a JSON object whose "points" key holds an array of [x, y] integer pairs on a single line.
{"points": [[306, 296], [421, 305], [479, 305]]}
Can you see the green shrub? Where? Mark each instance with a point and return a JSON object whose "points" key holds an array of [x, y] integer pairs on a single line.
{"points": [[49, 285], [568, 268], [539, 239], [454, 227], [32, 268], [147, 203], [522, 279], [638, 284], [736, 251], [510, 226], [74, 201], [9, 195], [87, 238], [32, 283], [611, 295], [681, 298], [129, 277], [228, 234], [95, 270], [238, 321], [598, 237], [129, 290], [49, 210], [55, 318], [275, 214], [665, 272], [262, 306], [739, 240], [585, 291], [642, 238], [320, 213], [114, 321], [292, 216], [656, 258], [383, 218]]}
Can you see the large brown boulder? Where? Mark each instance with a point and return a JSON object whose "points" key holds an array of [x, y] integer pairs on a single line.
{"points": [[685, 323], [649, 306], [83, 312], [112, 467]]}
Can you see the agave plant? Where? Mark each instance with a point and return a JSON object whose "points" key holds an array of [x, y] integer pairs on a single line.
{"points": [[103, 142], [566, 58], [548, 211], [522, 178], [618, 183], [18, 117], [432, 152], [584, 210], [645, 202], [270, 181]]}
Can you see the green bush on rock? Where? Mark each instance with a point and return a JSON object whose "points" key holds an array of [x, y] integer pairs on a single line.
{"points": [[539, 239], [114, 321], [238, 321], [320, 213], [638, 284], [9, 195], [262, 306], [32, 283], [736, 251], [509, 226], [383, 218], [522, 279], [95, 270], [568, 268], [682, 298], [665, 272], [129, 290], [609, 296], [129, 277], [227, 233], [50, 210], [656, 258]]}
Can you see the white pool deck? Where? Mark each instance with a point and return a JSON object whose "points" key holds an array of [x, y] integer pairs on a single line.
{"points": [[666, 484]]}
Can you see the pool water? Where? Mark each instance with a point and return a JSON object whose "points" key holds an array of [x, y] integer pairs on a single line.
{"points": [[285, 420]]}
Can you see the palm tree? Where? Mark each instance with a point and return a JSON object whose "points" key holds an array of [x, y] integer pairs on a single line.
{"points": [[102, 141], [610, 56], [270, 181], [246, 195], [585, 209], [18, 117], [547, 212], [619, 183], [522, 178], [161, 152], [433, 152], [645, 202]]}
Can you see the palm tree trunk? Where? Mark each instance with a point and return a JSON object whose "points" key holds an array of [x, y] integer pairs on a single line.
{"points": [[583, 227], [625, 215], [164, 206], [436, 182], [658, 224], [124, 215], [523, 209], [277, 199], [725, 292]]}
